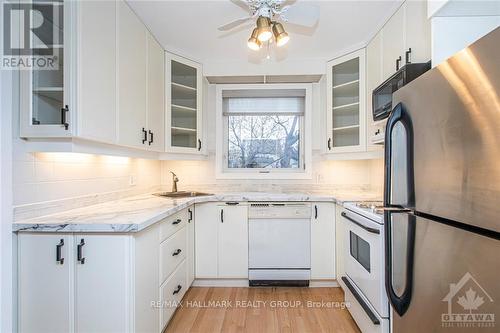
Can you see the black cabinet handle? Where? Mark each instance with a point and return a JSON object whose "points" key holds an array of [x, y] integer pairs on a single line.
{"points": [[232, 203], [64, 120], [199, 144], [151, 138], [408, 56], [176, 252], [59, 258], [398, 63], [145, 137], [222, 216], [329, 143], [79, 256], [176, 291], [190, 212], [177, 221], [315, 212]]}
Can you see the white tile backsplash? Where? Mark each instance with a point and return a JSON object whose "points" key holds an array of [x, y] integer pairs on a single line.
{"points": [[41, 177]]}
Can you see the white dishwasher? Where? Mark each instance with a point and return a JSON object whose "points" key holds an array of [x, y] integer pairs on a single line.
{"points": [[279, 244]]}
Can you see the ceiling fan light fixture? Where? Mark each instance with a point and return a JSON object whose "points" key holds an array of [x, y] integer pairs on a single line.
{"points": [[280, 34], [264, 28], [254, 42]]}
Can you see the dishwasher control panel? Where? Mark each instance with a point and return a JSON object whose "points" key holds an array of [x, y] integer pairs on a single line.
{"points": [[279, 210]]}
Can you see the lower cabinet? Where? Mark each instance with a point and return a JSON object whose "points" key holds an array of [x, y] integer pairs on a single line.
{"points": [[95, 282], [323, 241], [221, 243]]}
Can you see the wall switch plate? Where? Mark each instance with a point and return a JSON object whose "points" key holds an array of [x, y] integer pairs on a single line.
{"points": [[131, 180]]}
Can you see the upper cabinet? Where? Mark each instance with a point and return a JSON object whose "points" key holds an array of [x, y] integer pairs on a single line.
{"points": [[346, 103], [45, 99], [184, 105], [114, 96], [132, 78], [406, 37]]}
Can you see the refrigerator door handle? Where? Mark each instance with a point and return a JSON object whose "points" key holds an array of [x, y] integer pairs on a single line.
{"points": [[399, 303], [398, 115]]}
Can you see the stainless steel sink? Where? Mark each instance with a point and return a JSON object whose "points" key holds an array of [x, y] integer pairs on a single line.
{"points": [[181, 194]]}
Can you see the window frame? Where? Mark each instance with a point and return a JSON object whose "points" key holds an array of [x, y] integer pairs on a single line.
{"points": [[303, 172]]}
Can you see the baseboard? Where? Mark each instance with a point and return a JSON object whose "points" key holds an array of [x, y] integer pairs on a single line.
{"points": [[244, 283], [324, 284], [220, 283]]}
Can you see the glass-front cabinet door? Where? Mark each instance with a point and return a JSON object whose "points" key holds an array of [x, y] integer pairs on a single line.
{"points": [[346, 112], [45, 105], [184, 105]]}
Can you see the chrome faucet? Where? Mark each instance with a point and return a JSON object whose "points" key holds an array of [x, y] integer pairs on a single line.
{"points": [[175, 179]]}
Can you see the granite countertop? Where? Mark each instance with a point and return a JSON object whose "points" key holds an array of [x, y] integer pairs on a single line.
{"points": [[136, 213]]}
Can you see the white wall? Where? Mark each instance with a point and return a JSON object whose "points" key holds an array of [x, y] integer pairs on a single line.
{"points": [[326, 174]]}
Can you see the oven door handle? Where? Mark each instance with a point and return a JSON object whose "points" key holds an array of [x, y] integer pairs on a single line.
{"points": [[369, 229]]}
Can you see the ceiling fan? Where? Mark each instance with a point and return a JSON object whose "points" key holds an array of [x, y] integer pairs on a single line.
{"points": [[268, 13]]}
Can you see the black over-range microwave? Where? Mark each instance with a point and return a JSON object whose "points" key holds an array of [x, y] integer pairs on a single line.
{"points": [[382, 95]]}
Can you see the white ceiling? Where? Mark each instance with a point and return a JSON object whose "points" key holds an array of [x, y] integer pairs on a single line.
{"points": [[189, 28]]}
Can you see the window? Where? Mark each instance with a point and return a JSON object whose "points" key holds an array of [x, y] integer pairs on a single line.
{"points": [[263, 132]]}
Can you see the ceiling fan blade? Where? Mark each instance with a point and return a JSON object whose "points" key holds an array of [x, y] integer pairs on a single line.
{"points": [[303, 14], [234, 24]]}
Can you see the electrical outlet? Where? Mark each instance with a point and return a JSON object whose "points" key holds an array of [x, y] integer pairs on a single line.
{"points": [[131, 180]]}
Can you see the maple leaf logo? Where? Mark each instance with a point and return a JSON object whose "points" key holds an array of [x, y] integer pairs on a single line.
{"points": [[470, 301]]}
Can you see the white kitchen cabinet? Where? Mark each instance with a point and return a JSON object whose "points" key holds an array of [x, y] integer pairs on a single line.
{"points": [[374, 77], [155, 95], [232, 241], [184, 105], [46, 95], [206, 239], [346, 110], [97, 70], [102, 275], [191, 245], [339, 244], [393, 43], [45, 302], [409, 28], [417, 31], [323, 241], [101, 282], [132, 78], [221, 239]]}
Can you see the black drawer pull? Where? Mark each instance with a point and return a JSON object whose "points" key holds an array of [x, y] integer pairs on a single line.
{"points": [[79, 255], [222, 216], [176, 252], [177, 221], [59, 258], [64, 120], [190, 211], [329, 143], [151, 138], [315, 212], [145, 137], [199, 144], [176, 291]]}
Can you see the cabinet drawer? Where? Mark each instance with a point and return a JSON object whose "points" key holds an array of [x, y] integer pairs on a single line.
{"points": [[172, 252], [171, 293], [172, 224]]}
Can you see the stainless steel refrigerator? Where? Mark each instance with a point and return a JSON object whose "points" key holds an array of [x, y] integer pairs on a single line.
{"points": [[442, 196]]}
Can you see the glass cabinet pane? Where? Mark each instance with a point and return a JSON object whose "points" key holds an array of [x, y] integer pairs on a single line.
{"points": [[345, 103], [184, 92], [47, 85]]}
